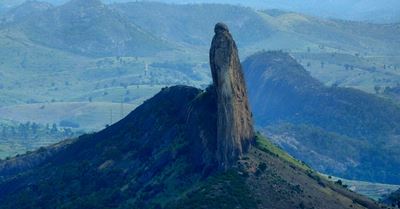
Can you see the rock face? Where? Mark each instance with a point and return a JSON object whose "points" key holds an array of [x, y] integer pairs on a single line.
{"points": [[234, 120]]}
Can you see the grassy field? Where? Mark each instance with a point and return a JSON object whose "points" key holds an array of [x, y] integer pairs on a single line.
{"points": [[371, 73], [11, 148], [90, 116]]}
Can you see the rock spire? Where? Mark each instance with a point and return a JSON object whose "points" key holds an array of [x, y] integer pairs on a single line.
{"points": [[235, 131]]}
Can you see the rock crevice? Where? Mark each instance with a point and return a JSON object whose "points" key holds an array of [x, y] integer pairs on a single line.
{"points": [[235, 131]]}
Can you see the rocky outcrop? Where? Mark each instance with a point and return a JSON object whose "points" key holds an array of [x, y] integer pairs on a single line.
{"points": [[234, 120]]}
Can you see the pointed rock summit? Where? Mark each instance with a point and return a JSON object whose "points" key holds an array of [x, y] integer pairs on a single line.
{"points": [[235, 131]]}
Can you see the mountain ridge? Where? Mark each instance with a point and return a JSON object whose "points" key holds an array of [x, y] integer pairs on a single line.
{"points": [[87, 28], [306, 116], [365, 10]]}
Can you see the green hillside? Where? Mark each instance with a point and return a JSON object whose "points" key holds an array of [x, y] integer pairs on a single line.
{"points": [[87, 27], [340, 131], [190, 24]]}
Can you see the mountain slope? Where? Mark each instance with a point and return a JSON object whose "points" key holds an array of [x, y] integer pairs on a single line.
{"points": [[393, 199], [147, 160], [315, 122], [256, 30], [87, 27], [25, 10], [189, 24], [338, 34]]}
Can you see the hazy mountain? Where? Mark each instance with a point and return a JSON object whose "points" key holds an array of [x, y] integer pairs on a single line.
{"points": [[340, 131], [190, 24], [26, 10], [256, 30], [359, 10], [265, 29], [85, 27]]}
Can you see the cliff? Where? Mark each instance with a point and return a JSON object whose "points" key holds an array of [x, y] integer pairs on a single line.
{"points": [[234, 120]]}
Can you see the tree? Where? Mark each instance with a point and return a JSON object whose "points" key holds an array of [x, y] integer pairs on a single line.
{"points": [[4, 132], [377, 89], [34, 127], [54, 128]]}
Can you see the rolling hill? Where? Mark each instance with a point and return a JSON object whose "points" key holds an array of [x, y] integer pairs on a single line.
{"points": [[190, 24], [25, 10], [340, 131], [84, 27], [356, 10]]}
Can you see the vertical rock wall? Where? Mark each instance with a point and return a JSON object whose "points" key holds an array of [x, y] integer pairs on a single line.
{"points": [[234, 120]]}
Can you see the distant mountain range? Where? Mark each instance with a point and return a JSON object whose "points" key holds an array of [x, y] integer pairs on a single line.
{"points": [[84, 27], [123, 29], [360, 10]]}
